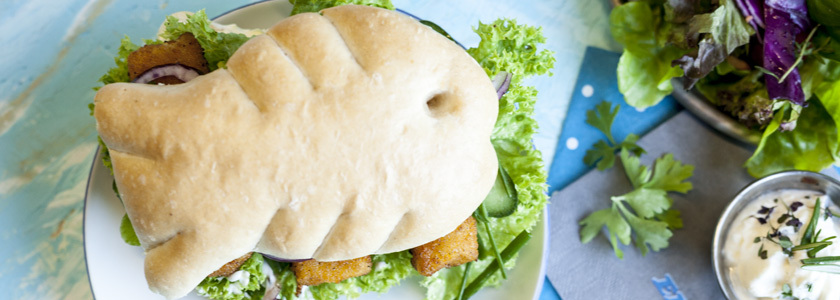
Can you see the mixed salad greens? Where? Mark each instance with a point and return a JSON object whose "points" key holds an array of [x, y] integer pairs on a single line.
{"points": [[774, 65], [505, 47]]}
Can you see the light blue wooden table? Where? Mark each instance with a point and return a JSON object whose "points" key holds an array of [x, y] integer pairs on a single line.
{"points": [[53, 52]]}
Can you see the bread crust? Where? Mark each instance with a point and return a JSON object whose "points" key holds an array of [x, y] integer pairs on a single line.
{"points": [[317, 141]]}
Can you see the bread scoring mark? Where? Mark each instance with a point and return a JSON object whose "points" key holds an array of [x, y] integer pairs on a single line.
{"points": [[329, 234], [259, 108], [150, 159], [294, 62], [346, 45], [152, 246], [393, 232]]}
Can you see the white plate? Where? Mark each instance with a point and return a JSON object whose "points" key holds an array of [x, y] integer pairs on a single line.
{"points": [[115, 269]]}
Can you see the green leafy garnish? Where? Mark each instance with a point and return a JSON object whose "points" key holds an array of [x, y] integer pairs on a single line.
{"points": [[644, 211], [508, 254], [603, 152], [127, 232], [388, 270], [787, 293], [483, 212], [221, 288], [649, 201], [464, 280], [438, 29], [812, 146], [218, 46], [644, 69], [761, 252], [120, 72], [808, 237], [510, 47], [803, 49], [303, 6]]}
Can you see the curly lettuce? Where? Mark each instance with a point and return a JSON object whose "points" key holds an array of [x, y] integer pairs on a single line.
{"points": [[302, 6], [218, 46], [388, 270], [246, 285], [120, 72], [507, 46]]}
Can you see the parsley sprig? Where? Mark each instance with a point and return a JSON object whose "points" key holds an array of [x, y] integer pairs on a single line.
{"points": [[643, 215], [603, 152]]}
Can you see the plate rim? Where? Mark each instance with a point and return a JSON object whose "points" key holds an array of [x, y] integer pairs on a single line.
{"points": [[85, 214], [543, 219]]}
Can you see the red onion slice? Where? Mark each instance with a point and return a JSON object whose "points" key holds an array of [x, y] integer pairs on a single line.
{"points": [[502, 82], [277, 259], [182, 72]]}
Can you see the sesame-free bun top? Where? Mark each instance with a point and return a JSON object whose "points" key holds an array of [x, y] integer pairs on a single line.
{"points": [[336, 135]]}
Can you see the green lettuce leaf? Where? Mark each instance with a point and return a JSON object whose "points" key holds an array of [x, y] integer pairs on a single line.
{"points": [[286, 280], [829, 95], [644, 80], [388, 270], [812, 146], [218, 46], [302, 6], [220, 288], [127, 232], [826, 12], [644, 69], [119, 73], [507, 46]]}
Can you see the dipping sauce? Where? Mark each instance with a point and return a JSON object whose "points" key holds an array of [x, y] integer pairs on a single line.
{"points": [[758, 264]]}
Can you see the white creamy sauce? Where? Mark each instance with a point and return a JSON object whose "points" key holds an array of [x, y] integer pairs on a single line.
{"points": [[238, 281], [754, 277]]}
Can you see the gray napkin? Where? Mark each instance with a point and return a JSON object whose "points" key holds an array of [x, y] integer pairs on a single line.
{"points": [[684, 269]]}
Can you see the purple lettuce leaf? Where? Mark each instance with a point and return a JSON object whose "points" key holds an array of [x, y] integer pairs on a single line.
{"points": [[696, 66], [784, 20], [725, 30], [753, 11]]}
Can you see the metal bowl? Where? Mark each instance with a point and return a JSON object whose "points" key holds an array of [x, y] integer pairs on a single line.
{"points": [[801, 180]]}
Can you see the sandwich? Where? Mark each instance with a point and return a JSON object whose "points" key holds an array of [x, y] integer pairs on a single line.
{"points": [[342, 150]]}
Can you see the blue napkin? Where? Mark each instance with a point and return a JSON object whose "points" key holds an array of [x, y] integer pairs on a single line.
{"points": [[596, 83]]}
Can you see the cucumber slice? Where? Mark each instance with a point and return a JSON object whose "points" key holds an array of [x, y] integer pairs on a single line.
{"points": [[502, 199]]}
